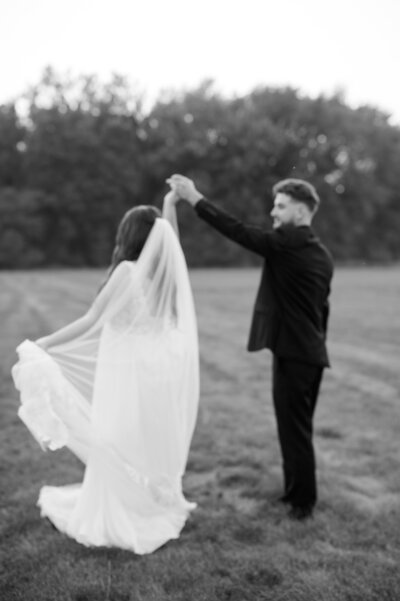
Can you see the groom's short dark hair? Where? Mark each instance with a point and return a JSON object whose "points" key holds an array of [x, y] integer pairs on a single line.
{"points": [[299, 190]]}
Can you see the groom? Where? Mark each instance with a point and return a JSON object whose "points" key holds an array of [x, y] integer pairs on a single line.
{"points": [[290, 318]]}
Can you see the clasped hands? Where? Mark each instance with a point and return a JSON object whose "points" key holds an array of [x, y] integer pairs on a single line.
{"points": [[182, 188]]}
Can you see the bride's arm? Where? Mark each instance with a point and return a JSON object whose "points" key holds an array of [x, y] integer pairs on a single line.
{"points": [[169, 210], [112, 292], [69, 332]]}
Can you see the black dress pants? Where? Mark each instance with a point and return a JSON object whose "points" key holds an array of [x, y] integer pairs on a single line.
{"points": [[295, 392]]}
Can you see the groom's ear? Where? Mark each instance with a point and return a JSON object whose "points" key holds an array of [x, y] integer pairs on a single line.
{"points": [[303, 209]]}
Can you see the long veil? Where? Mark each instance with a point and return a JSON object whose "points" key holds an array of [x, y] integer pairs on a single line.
{"points": [[129, 384]]}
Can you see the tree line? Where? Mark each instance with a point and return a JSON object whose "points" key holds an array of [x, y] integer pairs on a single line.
{"points": [[75, 154]]}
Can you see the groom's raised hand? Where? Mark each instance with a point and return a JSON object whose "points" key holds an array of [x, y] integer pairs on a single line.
{"points": [[185, 188]]}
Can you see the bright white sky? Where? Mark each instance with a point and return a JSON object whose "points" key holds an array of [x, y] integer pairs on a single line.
{"points": [[313, 45]]}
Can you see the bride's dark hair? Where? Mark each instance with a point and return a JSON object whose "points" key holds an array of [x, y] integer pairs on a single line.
{"points": [[132, 233]]}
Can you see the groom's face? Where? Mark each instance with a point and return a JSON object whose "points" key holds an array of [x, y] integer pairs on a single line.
{"points": [[285, 211]]}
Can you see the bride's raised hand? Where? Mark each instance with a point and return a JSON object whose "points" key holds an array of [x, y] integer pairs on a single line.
{"points": [[169, 208], [171, 197]]}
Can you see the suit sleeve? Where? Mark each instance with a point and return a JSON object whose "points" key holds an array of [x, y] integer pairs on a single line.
{"points": [[254, 238]]}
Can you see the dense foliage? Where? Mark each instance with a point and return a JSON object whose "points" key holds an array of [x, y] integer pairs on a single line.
{"points": [[79, 153]]}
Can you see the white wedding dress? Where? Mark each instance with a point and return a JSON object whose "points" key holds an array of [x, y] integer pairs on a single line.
{"points": [[123, 396]]}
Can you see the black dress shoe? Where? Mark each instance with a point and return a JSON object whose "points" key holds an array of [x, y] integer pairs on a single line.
{"points": [[300, 513]]}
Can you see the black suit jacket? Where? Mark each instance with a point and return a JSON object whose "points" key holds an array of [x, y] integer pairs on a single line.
{"points": [[291, 310]]}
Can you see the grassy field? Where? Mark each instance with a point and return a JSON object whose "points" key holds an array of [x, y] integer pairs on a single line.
{"points": [[238, 545]]}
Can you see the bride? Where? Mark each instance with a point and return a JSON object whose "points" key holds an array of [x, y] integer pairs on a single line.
{"points": [[119, 387]]}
